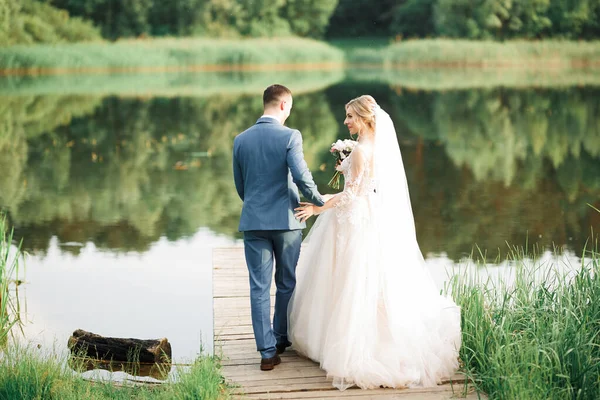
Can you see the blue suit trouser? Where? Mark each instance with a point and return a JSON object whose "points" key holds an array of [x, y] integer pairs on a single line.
{"points": [[261, 248]]}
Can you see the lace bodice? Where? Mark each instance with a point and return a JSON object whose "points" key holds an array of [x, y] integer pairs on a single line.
{"points": [[359, 182]]}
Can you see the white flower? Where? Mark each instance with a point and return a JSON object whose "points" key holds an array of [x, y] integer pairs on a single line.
{"points": [[343, 146], [339, 145]]}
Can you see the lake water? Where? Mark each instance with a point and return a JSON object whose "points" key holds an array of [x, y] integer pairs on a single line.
{"points": [[120, 186]]}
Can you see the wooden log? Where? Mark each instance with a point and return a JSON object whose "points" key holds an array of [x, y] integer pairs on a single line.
{"points": [[158, 371], [87, 344]]}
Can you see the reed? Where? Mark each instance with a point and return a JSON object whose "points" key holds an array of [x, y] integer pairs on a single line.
{"points": [[168, 54], [537, 336], [455, 53], [10, 259]]}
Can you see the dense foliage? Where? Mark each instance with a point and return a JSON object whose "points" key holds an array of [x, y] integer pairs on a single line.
{"points": [[26, 21], [307, 18], [471, 19], [29, 21]]}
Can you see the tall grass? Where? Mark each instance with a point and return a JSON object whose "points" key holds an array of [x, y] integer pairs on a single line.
{"points": [[9, 271], [471, 53], [168, 54], [29, 374], [533, 338]]}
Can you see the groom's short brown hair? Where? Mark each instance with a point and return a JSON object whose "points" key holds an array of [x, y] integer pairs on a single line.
{"points": [[274, 94]]}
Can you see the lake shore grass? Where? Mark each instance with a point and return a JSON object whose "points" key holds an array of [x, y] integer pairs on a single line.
{"points": [[27, 373], [210, 54], [169, 54], [472, 54], [536, 337]]}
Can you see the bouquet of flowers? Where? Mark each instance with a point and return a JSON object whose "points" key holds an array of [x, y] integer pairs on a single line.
{"points": [[340, 150]]}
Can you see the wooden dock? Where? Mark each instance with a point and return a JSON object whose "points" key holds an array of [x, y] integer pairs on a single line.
{"points": [[296, 377]]}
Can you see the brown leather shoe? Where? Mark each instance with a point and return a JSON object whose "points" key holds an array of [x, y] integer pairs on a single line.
{"points": [[267, 364]]}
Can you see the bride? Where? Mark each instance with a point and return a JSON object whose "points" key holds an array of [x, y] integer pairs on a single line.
{"points": [[365, 307]]}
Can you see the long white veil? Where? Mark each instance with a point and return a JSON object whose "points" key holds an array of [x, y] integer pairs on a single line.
{"points": [[393, 200], [432, 318]]}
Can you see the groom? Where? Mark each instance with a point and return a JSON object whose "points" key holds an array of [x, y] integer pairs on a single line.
{"points": [[268, 168]]}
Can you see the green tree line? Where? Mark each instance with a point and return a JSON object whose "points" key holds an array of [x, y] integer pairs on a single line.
{"points": [[484, 166], [26, 21], [471, 19], [306, 18], [50, 21]]}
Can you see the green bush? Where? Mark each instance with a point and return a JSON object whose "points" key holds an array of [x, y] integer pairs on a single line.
{"points": [[38, 30], [29, 21]]}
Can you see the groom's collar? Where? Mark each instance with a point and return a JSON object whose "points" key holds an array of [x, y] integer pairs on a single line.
{"points": [[268, 119]]}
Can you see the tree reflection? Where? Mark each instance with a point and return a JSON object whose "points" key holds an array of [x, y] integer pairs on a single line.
{"points": [[484, 167], [510, 166], [133, 170]]}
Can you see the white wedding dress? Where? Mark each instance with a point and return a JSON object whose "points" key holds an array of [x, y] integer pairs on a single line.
{"points": [[365, 307]]}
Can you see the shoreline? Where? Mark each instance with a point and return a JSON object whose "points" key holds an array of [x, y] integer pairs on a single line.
{"points": [[289, 54], [538, 65]]}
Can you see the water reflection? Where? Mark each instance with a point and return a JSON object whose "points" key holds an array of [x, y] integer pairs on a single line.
{"points": [[120, 199], [165, 291], [503, 165], [484, 166]]}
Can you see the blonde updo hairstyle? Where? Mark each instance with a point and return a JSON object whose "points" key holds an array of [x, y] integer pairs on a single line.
{"points": [[362, 107]]}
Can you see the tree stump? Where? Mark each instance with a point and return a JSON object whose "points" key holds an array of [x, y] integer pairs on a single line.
{"points": [[150, 357]]}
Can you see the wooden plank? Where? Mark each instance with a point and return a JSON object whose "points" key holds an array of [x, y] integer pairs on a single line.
{"points": [[362, 394], [438, 392], [302, 386], [284, 367], [296, 377], [228, 328]]}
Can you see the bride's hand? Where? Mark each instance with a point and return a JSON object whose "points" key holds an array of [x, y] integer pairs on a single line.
{"points": [[305, 211]]}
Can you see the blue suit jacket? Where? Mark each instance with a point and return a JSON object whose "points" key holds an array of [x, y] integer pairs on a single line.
{"points": [[268, 168]]}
